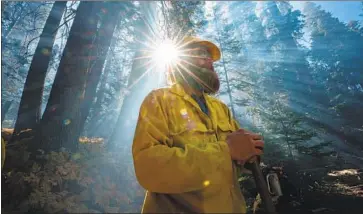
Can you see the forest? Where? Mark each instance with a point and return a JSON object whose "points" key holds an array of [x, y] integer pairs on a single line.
{"points": [[74, 74]]}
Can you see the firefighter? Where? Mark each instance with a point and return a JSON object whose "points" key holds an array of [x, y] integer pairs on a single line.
{"points": [[187, 146]]}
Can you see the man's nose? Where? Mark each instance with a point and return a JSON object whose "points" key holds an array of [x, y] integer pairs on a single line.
{"points": [[208, 62]]}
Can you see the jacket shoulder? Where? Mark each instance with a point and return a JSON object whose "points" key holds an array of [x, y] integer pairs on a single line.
{"points": [[221, 108], [157, 94], [159, 91], [217, 101]]}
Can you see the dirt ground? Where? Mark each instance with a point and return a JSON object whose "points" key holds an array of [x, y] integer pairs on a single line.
{"points": [[322, 191]]}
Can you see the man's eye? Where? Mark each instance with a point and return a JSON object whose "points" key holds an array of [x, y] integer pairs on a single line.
{"points": [[200, 53], [203, 54], [206, 55]]}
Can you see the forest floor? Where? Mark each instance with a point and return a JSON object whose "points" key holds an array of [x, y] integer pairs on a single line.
{"points": [[334, 190]]}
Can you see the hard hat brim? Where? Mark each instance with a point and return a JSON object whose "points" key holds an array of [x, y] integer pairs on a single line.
{"points": [[212, 48]]}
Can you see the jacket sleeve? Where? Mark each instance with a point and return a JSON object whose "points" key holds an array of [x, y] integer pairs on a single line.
{"points": [[234, 123], [161, 168]]}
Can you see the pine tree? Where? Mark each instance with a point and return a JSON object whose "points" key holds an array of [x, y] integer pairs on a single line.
{"points": [[58, 127], [110, 17], [247, 63], [113, 83], [288, 70], [176, 24], [221, 30], [271, 73], [22, 24], [140, 80], [336, 61], [182, 18], [29, 113]]}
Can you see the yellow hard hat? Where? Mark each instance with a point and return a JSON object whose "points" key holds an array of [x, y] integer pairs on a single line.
{"points": [[213, 49]]}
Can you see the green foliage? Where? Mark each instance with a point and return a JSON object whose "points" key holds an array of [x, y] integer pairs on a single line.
{"points": [[286, 128], [335, 59], [278, 85], [182, 18], [316, 150]]}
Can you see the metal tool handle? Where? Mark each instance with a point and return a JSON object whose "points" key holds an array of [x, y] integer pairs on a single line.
{"points": [[273, 184], [262, 187], [268, 184]]}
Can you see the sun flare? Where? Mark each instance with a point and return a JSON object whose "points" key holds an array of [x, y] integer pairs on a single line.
{"points": [[166, 53]]}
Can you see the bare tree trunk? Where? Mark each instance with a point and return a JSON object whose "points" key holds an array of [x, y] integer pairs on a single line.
{"points": [[97, 107], [93, 122], [289, 147], [4, 109], [138, 84], [101, 48], [3, 4], [58, 127], [126, 121], [31, 99], [229, 91]]}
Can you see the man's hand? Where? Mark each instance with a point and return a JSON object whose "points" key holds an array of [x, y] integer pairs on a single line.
{"points": [[244, 145]]}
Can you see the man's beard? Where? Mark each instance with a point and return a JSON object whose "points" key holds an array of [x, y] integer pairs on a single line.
{"points": [[202, 79]]}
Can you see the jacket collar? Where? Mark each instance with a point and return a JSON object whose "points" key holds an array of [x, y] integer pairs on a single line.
{"points": [[178, 89]]}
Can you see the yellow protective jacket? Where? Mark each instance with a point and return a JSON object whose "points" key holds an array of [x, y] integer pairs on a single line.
{"points": [[181, 157]]}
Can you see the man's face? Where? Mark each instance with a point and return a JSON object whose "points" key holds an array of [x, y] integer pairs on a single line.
{"points": [[199, 56], [199, 70]]}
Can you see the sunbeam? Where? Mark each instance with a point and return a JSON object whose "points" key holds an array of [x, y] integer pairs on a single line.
{"points": [[166, 53]]}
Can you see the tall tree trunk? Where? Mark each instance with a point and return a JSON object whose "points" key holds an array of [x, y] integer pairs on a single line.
{"points": [[229, 91], [58, 127], [3, 4], [102, 89], [139, 85], [96, 108], [14, 22], [4, 109], [126, 121], [31, 99], [103, 42]]}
